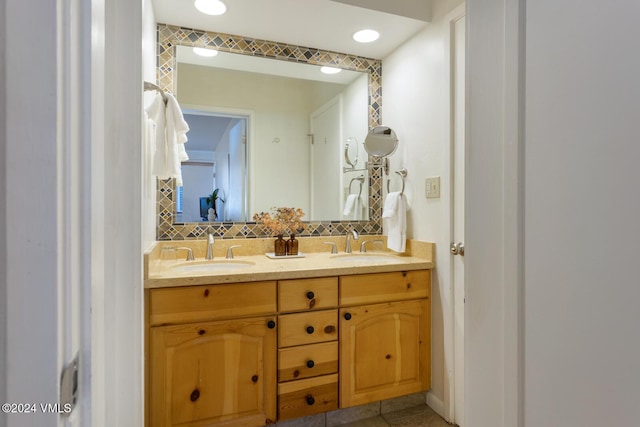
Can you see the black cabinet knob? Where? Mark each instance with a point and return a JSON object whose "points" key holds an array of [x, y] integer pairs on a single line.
{"points": [[310, 364], [347, 316], [195, 395], [254, 379], [271, 324], [310, 330], [310, 400], [311, 295]]}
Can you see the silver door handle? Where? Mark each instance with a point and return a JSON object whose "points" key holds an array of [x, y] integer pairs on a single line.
{"points": [[457, 248]]}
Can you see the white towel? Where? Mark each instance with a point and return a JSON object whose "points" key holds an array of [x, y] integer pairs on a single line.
{"points": [[171, 129], [349, 204], [394, 214]]}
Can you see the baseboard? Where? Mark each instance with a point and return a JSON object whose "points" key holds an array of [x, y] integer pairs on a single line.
{"points": [[436, 404]]}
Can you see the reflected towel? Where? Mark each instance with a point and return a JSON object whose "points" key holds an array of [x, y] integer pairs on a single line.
{"points": [[394, 214], [171, 130], [349, 204]]}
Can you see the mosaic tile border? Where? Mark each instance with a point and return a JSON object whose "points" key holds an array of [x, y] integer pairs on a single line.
{"points": [[169, 37]]}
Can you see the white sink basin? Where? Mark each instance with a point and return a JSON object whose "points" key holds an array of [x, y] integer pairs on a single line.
{"points": [[364, 258], [206, 266]]}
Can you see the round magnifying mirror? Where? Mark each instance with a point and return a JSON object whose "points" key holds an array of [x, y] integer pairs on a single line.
{"points": [[381, 141]]}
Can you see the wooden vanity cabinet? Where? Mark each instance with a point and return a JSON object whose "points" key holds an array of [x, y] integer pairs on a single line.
{"points": [[384, 347], [212, 355], [249, 354]]}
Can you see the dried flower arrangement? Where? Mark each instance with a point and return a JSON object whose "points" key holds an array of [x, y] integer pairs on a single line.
{"points": [[281, 220]]}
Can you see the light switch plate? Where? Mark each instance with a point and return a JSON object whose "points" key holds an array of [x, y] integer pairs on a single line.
{"points": [[432, 187]]}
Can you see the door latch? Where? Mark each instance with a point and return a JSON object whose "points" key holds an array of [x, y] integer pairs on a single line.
{"points": [[69, 386]]}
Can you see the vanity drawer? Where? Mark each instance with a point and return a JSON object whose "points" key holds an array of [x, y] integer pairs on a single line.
{"points": [[307, 294], [307, 328], [307, 397], [198, 303], [384, 287], [307, 361]]}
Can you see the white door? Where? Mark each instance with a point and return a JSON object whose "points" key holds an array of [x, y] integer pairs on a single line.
{"points": [[325, 155], [457, 270]]}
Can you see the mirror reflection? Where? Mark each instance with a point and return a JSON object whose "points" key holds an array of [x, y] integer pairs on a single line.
{"points": [[268, 133]]}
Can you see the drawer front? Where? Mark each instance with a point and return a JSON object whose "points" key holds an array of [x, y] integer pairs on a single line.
{"points": [[198, 303], [307, 328], [308, 294], [384, 287], [307, 397], [307, 361]]}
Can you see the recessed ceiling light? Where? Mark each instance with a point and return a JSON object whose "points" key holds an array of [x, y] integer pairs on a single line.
{"points": [[205, 52], [366, 36], [330, 70], [211, 7]]}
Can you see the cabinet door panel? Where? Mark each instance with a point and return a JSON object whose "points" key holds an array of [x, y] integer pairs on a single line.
{"points": [[214, 372], [384, 351]]}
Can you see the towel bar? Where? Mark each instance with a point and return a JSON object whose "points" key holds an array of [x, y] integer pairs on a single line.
{"points": [[403, 174]]}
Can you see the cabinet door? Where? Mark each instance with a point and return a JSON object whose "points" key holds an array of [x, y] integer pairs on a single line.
{"points": [[384, 351], [215, 372]]}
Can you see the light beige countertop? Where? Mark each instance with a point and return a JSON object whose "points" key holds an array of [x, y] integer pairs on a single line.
{"points": [[168, 268]]}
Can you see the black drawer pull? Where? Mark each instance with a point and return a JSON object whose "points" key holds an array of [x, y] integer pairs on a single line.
{"points": [[347, 316], [254, 379], [311, 295], [310, 400], [202, 332], [271, 324], [310, 364], [195, 395], [310, 330]]}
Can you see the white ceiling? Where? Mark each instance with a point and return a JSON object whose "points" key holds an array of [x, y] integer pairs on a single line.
{"points": [[323, 24]]}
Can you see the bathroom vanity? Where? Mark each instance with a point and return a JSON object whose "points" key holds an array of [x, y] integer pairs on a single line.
{"points": [[282, 339]]}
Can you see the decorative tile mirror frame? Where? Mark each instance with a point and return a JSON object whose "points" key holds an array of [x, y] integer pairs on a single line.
{"points": [[169, 37]]}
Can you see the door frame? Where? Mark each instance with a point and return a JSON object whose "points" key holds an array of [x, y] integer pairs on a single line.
{"points": [[250, 151], [456, 389]]}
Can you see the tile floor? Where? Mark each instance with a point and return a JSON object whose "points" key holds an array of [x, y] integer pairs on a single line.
{"points": [[417, 416]]}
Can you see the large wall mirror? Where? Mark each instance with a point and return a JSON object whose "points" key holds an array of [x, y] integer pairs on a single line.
{"points": [[269, 129]]}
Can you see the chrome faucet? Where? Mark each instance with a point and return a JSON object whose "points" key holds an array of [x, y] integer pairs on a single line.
{"points": [[353, 233], [209, 247]]}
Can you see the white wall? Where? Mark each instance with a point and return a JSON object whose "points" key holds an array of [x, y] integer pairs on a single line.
{"points": [[416, 104], [582, 211]]}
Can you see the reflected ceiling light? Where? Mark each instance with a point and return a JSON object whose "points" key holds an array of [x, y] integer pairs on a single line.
{"points": [[211, 7], [366, 36], [205, 52], [330, 70]]}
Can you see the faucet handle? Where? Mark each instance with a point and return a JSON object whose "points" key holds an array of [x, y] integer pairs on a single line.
{"points": [[363, 245], [189, 252], [230, 251], [334, 248]]}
